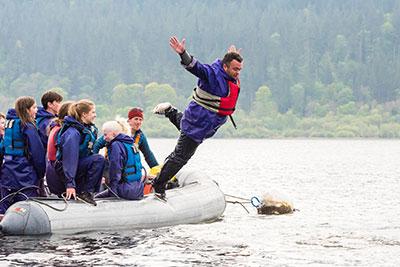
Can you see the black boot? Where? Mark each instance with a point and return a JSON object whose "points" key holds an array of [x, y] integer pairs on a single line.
{"points": [[158, 187], [173, 183], [87, 198]]}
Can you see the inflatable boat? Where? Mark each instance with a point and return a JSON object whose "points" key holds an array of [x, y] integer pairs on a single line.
{"points": [[198, 199]]}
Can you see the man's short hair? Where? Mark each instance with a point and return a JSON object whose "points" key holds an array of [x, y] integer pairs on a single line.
{"points": [[231, 56], [50, 96]]}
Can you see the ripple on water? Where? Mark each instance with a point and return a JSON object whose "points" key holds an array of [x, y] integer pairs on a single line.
{"points": [[346, 191]]}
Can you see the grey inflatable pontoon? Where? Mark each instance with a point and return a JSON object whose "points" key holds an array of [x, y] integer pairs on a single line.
{"points": [[197, 200]]}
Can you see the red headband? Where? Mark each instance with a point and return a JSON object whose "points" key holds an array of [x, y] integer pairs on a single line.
{"points": [[135, 112]]}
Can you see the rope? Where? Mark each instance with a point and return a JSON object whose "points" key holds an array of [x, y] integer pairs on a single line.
{"points": [[19, 192], [237, 202], [51, 207], [255, 202], [109, 188], [244, 200]]}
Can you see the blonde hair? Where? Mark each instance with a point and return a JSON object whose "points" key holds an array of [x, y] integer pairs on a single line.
{"points": [[2, 115], [124, 124], [113, 126], [22, 105], [77, 109]]}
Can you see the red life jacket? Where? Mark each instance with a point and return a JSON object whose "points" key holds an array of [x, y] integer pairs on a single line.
{"points": [[228, 104], [222, 105], [51, 144]]}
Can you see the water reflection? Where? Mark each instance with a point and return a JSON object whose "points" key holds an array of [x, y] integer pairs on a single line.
{"points": [[164, 246]]}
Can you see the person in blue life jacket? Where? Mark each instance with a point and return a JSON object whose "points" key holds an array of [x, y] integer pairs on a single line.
{"points": [[51, 102], [54, 180], [23, 154], [214, 99], [82, 170], [2, 124], [135, 121], [125, 167]]}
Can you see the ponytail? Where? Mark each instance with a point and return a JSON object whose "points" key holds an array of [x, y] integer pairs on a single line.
{"points": [[77, 109], [63, 111]]}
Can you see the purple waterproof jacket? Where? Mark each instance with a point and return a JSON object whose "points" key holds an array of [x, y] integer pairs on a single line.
{"points": [[117, 157], [22, 171], [197, 122], [1, 150], [43, 119], [70, 141]]}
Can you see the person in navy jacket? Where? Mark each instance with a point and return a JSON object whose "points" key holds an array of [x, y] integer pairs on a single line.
{"points": [[55, 182], [81, 169], [51, 102], [23, 154], [135, 121], [2, 123], [125, 167], [214, 99]]}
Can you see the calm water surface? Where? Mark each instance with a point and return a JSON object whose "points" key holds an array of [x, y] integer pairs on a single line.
{"points": [[347, 193]]}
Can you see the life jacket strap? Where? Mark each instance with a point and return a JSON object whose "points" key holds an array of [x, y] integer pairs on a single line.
{"points": [[233, 122]]}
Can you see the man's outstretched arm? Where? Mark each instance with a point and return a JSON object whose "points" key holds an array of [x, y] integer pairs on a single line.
{"points": [[179, 47], [200, 70]]}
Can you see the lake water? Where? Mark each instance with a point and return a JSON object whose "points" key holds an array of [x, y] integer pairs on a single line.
{"points": [[346, 191]]}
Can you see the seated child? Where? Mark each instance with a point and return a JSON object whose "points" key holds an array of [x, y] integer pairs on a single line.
{"points": [[125, 167]]}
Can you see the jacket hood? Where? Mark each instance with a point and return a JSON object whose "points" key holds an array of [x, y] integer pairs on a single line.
{"points": [[44, 113], [11, 114], [72, 120], [123, 138]]}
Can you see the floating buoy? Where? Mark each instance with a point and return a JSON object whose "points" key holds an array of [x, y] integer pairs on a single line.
{"points": [[274, 206]]}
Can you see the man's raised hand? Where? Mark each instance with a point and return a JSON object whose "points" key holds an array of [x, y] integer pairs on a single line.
{"points": [[232, 48], [178, 47]]}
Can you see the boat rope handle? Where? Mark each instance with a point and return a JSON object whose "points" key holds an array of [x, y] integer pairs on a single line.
{"points": [[50, 206], [19, 192]]}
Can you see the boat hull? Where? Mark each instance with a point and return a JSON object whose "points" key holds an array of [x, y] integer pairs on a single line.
{"points": [[197, 200]]}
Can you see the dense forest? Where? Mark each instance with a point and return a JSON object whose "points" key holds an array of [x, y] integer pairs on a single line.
{"points": [[312, 68]]}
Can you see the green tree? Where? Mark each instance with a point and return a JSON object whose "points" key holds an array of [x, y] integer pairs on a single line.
{"points": [[155, 93], [264, 105], [127, 95], [298, 97]]}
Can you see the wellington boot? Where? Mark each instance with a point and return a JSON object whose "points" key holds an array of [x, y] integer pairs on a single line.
{"points": [[87, 198], [173, 183], [161, 197]]}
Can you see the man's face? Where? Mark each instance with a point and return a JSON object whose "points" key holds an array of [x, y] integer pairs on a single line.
{"points": [[233, 69], [54, 107]]}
